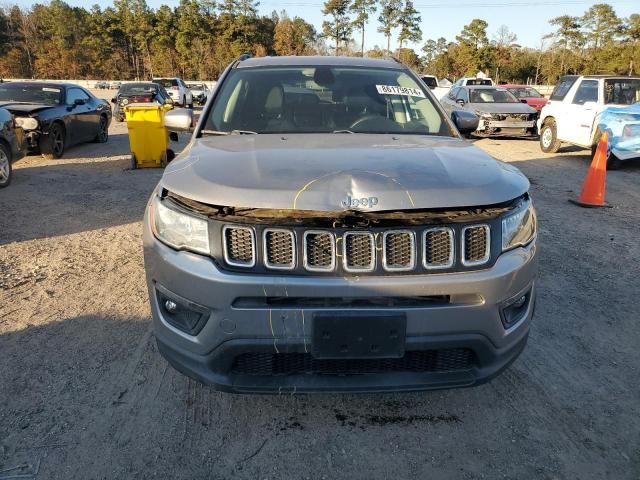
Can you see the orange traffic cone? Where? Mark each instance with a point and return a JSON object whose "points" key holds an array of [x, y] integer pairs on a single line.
{"points": [[592, 194]]}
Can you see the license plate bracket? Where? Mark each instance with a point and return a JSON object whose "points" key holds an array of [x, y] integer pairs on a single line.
{"points": [[358, 335]]}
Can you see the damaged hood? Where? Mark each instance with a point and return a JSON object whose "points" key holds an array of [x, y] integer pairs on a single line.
{"points": [[335, 172], [517, 108], [17, 107]]}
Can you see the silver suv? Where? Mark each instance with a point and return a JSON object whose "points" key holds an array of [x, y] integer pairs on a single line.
{"points": [[328, 229]]}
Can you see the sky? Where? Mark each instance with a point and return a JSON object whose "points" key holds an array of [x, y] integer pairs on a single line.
{"points": [[528, 19]]}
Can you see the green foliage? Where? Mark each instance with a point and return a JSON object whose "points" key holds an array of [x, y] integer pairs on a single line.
{"points": [[389, 18], [409, 22], [362, 9], [339, 27]]}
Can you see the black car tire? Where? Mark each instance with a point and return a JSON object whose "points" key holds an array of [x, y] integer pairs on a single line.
{"points": [[103, 132], [191, 104], [6, 171], [52, 145], [184, 101], [549, 142], [613, 162]]}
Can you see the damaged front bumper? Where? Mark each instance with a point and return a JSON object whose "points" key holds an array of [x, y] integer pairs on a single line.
{"points": [[257, 333]]}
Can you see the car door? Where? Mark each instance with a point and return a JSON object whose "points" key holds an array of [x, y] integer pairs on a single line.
{"points": [[81, 113], [581, 110], [462, 99], [449, 100]]}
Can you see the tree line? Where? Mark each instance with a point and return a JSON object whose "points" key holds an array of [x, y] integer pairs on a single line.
{"points": [[198, 38]]}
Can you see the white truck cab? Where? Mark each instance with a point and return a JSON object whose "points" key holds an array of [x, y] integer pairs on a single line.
{"points": [[575, 102]]}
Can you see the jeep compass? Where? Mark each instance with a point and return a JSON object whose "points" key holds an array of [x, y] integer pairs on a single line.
{"points": [[327, 228]]}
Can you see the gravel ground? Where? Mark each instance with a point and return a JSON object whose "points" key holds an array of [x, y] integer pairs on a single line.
{"points": [[85, 395]]}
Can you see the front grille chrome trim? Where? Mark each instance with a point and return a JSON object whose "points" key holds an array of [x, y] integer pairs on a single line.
{"points": [[450, 261], [463, 241], [412, 263], [305, 259], [225, 248], [265, 252], [345, 258]]}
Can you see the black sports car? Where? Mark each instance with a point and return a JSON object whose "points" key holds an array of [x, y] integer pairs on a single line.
{"points": [[10, 146], [56, 115], [138, 92]]}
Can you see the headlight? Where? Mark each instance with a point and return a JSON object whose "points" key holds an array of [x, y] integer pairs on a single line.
{"points": [[179, 230], [27, 123], [519, 227]]}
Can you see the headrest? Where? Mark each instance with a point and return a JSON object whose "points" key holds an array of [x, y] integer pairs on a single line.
{"points": [[275, 100]]}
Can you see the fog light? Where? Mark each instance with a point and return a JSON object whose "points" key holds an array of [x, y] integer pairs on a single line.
{"points": [[181, 313], [515, 309]]}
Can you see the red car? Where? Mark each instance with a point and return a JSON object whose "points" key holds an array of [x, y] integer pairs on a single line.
{"points": [[528, 95]]}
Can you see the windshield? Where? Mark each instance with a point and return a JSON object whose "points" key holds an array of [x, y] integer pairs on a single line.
{"points": [[139, 88], [167, 82], [20, 92], [525, 92], [491, 95], [324, 100], [622, 91]]}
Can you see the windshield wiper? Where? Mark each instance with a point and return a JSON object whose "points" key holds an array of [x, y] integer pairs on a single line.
{"points": [[232, 132], [343, 131]]}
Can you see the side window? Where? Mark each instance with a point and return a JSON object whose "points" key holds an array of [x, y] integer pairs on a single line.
{"points": [[587, 92], [74, 94]]}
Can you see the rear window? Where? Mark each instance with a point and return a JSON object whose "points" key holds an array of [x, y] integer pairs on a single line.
{"points": [[139, 88], [430, 82], [167, 82], [479, 81], [562, 88], [525, 92], [622, 91]]}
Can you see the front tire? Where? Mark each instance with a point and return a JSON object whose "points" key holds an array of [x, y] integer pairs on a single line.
{"points": [[52, 146], [549, 142], [6, 172]]}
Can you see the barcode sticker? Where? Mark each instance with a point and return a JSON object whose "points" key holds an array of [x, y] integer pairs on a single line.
{"points": [[395, 90]]}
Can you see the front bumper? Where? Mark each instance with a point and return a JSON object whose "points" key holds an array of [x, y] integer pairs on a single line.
{"points": [[470, 320]]}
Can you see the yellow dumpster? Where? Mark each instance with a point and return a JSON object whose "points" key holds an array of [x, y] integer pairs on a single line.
{"points": [[148, 138]]}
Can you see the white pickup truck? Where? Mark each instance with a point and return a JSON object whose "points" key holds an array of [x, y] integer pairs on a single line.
{"points": [[434, 85], [571, 113]]}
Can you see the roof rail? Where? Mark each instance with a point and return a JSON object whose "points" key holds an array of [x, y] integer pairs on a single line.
{"points": [[241, 58]]}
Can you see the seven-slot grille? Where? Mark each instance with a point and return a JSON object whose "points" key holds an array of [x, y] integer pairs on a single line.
{"points": [[357, 251], [438, 248], [475, 245], [279, 249]]}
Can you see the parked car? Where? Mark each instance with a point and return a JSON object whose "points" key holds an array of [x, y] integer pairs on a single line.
{"points": [[178, 91], [433, 83], [528, 95], [500, 112], [622, 124], [575, 102], [200, 92], [115, 85], [101, 85], [138, 92], [10, 145], [468, 81], [330, 230], [56, 115]]}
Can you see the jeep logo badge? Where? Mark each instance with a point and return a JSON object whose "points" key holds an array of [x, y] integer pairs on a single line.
{"points": [[365, 202]]}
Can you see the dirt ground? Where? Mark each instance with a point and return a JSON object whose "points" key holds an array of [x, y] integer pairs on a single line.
{"points": [[84, 394]]}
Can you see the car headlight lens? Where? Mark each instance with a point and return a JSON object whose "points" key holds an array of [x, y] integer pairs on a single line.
{"points": [[519, 227], [27, 123], [179, 230]]}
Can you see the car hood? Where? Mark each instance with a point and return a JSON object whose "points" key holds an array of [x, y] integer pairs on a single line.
{"points": [[323, 171], [501, 107], [16, 107]]}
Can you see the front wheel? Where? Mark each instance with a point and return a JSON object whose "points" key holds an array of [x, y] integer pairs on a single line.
{"points": [[613, 162], [5, 166], [52, 145], [549, 142]]}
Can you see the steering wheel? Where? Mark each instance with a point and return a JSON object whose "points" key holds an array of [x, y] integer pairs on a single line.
{"points": [[375, 123]]}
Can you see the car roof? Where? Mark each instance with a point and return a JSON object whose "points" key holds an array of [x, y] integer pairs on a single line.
{"points": [[46, 84], [316, 61], [483, 87]]}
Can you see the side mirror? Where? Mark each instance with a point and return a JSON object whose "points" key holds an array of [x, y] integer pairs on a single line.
{"points": [[460, 102], [466, 122], [179, 120], [523, 100], [79, 101]]}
